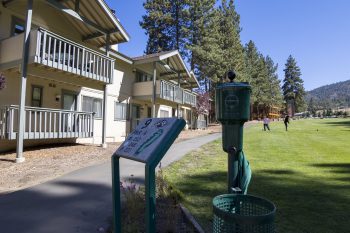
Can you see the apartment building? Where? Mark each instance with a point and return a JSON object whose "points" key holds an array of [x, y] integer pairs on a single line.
{"points": [[66, 81]]}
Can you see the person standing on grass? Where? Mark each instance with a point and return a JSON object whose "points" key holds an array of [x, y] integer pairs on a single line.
{"points": [[286, 122], [266, 123]]}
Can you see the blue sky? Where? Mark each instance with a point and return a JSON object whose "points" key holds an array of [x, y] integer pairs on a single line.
{"points": [[315, 32]]}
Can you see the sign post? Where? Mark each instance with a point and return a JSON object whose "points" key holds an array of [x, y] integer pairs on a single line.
{"points": [[147, 144]]}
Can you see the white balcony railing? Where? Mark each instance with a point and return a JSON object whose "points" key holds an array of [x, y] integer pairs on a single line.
{"points": [[45, 123], [172, 92], [58, 52], [190, 98]]}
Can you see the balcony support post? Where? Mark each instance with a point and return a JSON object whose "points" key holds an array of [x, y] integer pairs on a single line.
{"points": [[22, 94], [104, 119], [178, 105], [154, 90]]}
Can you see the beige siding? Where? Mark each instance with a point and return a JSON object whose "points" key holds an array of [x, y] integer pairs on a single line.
{"points": [[51, 89], [145, 88], [11, 49]]}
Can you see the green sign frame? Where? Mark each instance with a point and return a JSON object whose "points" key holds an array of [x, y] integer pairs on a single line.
{"points": [[147, 144]]}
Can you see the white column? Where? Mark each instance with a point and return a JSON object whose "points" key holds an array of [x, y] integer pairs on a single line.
{"points": [[178, 105], [22, 94], [104, 114], [154, 90]]}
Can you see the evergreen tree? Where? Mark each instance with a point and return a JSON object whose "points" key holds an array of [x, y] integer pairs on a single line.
{"points": [[215, 41], [165, 23], [311, 107], [231, 49], [155, 22], [254, 67], [293, 89], [274, 91], [201, 39], [177, 23]]}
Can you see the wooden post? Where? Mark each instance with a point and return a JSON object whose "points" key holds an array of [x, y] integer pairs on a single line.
{"points": [[22, 94], [154, 90], [104, 119]]}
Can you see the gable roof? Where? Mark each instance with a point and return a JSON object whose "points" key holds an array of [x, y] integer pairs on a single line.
{"points": [[100, 13], [170, 65]]}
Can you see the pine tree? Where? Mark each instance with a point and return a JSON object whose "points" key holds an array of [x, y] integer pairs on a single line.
{"points": [[177, 24], [274, 93], [200, 38], [293, 89], [155, 22], [253, 68], [215, 41], [165, 23], [231, 49], [311, 106]]}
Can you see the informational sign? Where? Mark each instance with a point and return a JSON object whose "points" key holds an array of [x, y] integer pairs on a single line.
{"points": [[148, 143], [149, 137]]}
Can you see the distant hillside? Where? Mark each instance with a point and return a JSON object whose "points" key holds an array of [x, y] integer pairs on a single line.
{"points": [[332, 96]]}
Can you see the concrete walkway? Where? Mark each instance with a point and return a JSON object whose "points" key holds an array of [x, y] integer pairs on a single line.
{"points": [[80, 201]]}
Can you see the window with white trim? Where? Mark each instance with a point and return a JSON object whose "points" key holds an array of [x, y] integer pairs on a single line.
{"points": [[91, 104], [120, 111]]}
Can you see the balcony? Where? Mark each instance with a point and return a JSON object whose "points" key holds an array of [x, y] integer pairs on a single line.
{"points": [[45, 123], [165, 90], [173, 92], [54, 51]]}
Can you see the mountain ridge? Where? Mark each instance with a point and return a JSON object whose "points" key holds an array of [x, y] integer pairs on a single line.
{"points": [[336, 95]]}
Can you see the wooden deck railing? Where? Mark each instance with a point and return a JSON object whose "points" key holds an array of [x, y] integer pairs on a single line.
{"points": [[46, 123], [58, 52], [172, 92]]}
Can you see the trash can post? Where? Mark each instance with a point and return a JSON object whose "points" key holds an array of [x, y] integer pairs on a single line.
{"points": [[232, 110]]}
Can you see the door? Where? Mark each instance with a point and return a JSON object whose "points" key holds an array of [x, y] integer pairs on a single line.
{"points": [[69, 103], [135, 116]]}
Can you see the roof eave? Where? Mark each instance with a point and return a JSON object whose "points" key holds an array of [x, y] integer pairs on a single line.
{"points": [[115, 20]]}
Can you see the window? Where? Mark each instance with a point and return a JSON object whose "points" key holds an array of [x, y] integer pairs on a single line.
{"points": [[181, 113], [120, 111], [37, 93], [17, 26], [91, 104], [143, 77], [164, 113], [135, 111]]}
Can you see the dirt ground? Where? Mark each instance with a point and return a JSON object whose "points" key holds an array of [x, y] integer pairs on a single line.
{"points": [[48, 162]]}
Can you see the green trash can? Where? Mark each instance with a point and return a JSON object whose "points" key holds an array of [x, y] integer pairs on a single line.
{"points": [[236, 213]]}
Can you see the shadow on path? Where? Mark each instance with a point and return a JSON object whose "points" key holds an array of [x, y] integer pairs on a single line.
{"points": [[69, 207]]}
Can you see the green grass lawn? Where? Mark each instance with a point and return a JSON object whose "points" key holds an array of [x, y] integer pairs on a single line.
{"points": [[305, 172]]}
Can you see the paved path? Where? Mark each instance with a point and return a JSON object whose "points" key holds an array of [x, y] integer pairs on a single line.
{"points": [[77, 202]]}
